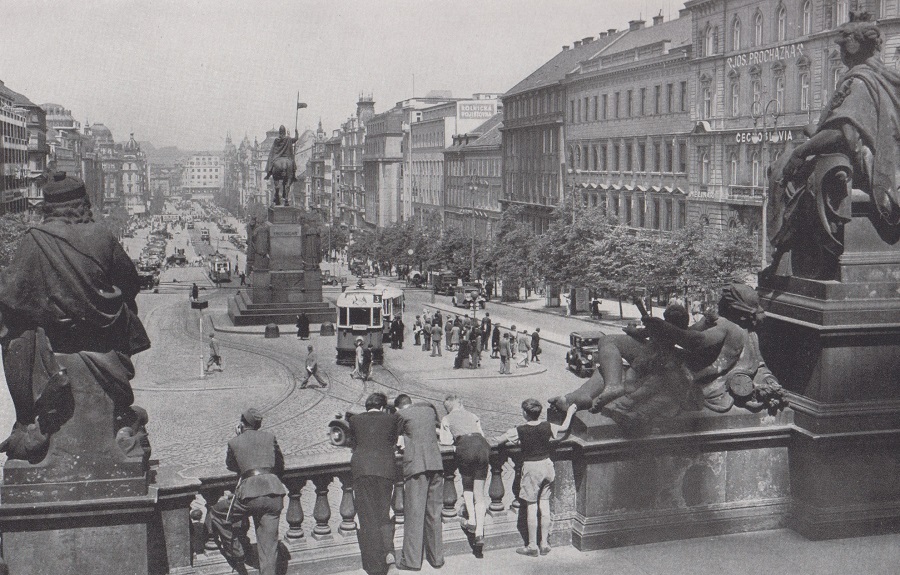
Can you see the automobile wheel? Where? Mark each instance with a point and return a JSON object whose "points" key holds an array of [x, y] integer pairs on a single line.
{"points": [[338, 433]]}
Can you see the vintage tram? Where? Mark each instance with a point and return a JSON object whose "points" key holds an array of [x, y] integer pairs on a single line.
{"points": [[360, 315], [391, 304], [219, 269]]}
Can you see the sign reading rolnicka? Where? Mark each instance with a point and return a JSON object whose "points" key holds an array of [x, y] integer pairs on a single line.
{"points": [[767, 55]]}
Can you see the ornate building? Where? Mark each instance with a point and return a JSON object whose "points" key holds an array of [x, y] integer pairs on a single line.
{"points": [[135, 177], [351, 189], [14, 170]]}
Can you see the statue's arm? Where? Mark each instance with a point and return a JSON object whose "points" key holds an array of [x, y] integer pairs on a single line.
{"points": [[688, 339]]}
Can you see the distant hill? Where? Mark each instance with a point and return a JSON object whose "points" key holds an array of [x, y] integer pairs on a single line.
{"points": [[165, 156]]}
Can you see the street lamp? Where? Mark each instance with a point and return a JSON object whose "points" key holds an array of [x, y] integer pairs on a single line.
{"points": [[473, 188], [763, 142]]}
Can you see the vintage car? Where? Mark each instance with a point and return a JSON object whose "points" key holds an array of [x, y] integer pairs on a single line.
{"points": [[582, 355], [148, 280], [443, 282], [339, 427], [468, 296]]}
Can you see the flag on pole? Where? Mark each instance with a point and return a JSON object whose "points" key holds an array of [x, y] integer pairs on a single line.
{"points": [[301, 105]]}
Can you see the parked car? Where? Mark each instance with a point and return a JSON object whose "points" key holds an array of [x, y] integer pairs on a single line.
{"points": [[468, 296], [582, 355]]}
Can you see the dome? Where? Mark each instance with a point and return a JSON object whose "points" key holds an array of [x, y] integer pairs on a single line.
{"points": [[132, 145]]}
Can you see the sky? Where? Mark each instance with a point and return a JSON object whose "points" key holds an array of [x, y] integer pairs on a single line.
{"points": [[188, 72]]}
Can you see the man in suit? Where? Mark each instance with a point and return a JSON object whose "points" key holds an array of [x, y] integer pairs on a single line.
{"points": [[485, 330], [312, 369], [423, 485], [255, 455], [373, 465]]}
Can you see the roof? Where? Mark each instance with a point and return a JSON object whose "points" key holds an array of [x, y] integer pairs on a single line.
{"points": [[677, 31], [490, 132], [564, 62], [16, 97]]}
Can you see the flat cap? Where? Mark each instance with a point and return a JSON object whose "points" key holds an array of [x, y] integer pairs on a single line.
{"points": [[63, 188], [252, 417]]}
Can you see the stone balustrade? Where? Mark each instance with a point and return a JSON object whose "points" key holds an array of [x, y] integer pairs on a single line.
{"points": [[319, 522]]}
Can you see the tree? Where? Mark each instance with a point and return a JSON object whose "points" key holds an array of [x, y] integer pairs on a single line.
{"points": [[512, 253], [706, 257]]}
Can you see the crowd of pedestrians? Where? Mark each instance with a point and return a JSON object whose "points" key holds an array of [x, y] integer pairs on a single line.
{"points": [[468, 338]]}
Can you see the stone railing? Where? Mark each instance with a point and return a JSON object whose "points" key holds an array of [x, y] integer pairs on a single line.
{"points": [[319, 522]]}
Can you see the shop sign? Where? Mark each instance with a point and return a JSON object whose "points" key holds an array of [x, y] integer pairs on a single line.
{"points": [[768, 55], [756, 137]]}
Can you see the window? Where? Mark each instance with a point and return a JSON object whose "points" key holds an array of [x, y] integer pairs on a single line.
{"points": [[756, 90], [616, 98], [732, 169], [670, 152], [617, 165], [657, 94], [706, 110], [779, 94], [605, 103], [629, 164], [843, 12], [682, 157], [754, 169], [657, 157], [595, 108], [735, 99], [781, 23], [758, 30], [736, 34], [579, 110], [670, 98], [571, 110], [683, 100], [587, 107], [704, 167], [835, 76], [628, 97], [807, 17], [708, 46], [642, 156], [804, 91], [643, 101], [602, 162]]}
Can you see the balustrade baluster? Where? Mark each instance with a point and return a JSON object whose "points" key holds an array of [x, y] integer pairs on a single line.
{"points": [[517, 483], [347, 508], [450, 495], [212, 497], [294, 514], [322, 510], [496, 491], [397, 501]]}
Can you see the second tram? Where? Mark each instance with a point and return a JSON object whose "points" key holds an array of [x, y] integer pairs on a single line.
{"points": [[360, 317], [391, 304], [219, 269]]}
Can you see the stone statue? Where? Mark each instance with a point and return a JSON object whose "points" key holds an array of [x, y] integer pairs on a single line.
{"points": [[281, 165], [68, 328], [721, 354], [257, 246], [854, 146]]}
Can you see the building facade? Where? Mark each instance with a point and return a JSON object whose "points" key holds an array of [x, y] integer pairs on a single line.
{"points": [[202, 176], [14, 169], [135, 177], [534, 133], [473, 179], [382, 165], [351, 189], [628, 123], [430, 136]]}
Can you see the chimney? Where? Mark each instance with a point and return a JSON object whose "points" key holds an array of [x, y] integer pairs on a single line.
{"points": [[658, 19], [602, 35], [611, 31], [635, 25], [566, 47], [587, 40], [576, 43]]}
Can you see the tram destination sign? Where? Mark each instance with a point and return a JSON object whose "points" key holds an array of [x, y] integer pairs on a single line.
{"points": [[774, 54]]}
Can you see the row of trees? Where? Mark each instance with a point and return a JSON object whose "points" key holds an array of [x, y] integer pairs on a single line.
{"points": [[588, 250]]}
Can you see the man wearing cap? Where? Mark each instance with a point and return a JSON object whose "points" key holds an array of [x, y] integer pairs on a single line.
{"points": [[255, 455], [68, 299]]}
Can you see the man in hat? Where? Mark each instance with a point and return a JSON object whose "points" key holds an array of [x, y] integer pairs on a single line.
{"points": [[69, 290], [312, 368], [256, 457], [214, 357]]}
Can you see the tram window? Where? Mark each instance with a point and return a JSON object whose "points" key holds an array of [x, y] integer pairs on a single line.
{"points": [[376, 316], [344, 316], [359, 315]]}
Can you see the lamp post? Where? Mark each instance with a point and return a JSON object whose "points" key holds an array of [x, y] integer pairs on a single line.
{"points": [[764, 148], [473, 189]]}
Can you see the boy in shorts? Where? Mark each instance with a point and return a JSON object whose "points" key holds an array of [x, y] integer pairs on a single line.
{"points": [[538, 473]]}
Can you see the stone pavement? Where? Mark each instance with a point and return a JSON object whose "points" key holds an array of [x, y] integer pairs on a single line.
{"points": [[777, 552]]}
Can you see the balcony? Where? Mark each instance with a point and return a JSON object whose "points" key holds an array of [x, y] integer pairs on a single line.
{"points": [[746, 195]]}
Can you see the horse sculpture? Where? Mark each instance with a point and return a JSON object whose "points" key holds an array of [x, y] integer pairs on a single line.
{"points": [[283, 177]]}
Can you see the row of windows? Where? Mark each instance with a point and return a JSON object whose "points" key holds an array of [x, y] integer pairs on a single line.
{"points": [[433, 139], [535, 105], [630, 103], [478, 167], [205, 161], [751, 170], [634, 155], [836, 12], [216, 170], [634, 210], [13, 131]]}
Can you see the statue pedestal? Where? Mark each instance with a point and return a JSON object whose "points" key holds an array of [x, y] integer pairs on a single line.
{"points": [[835, 346], [696, 475], [289, 281], [85, 508]]}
